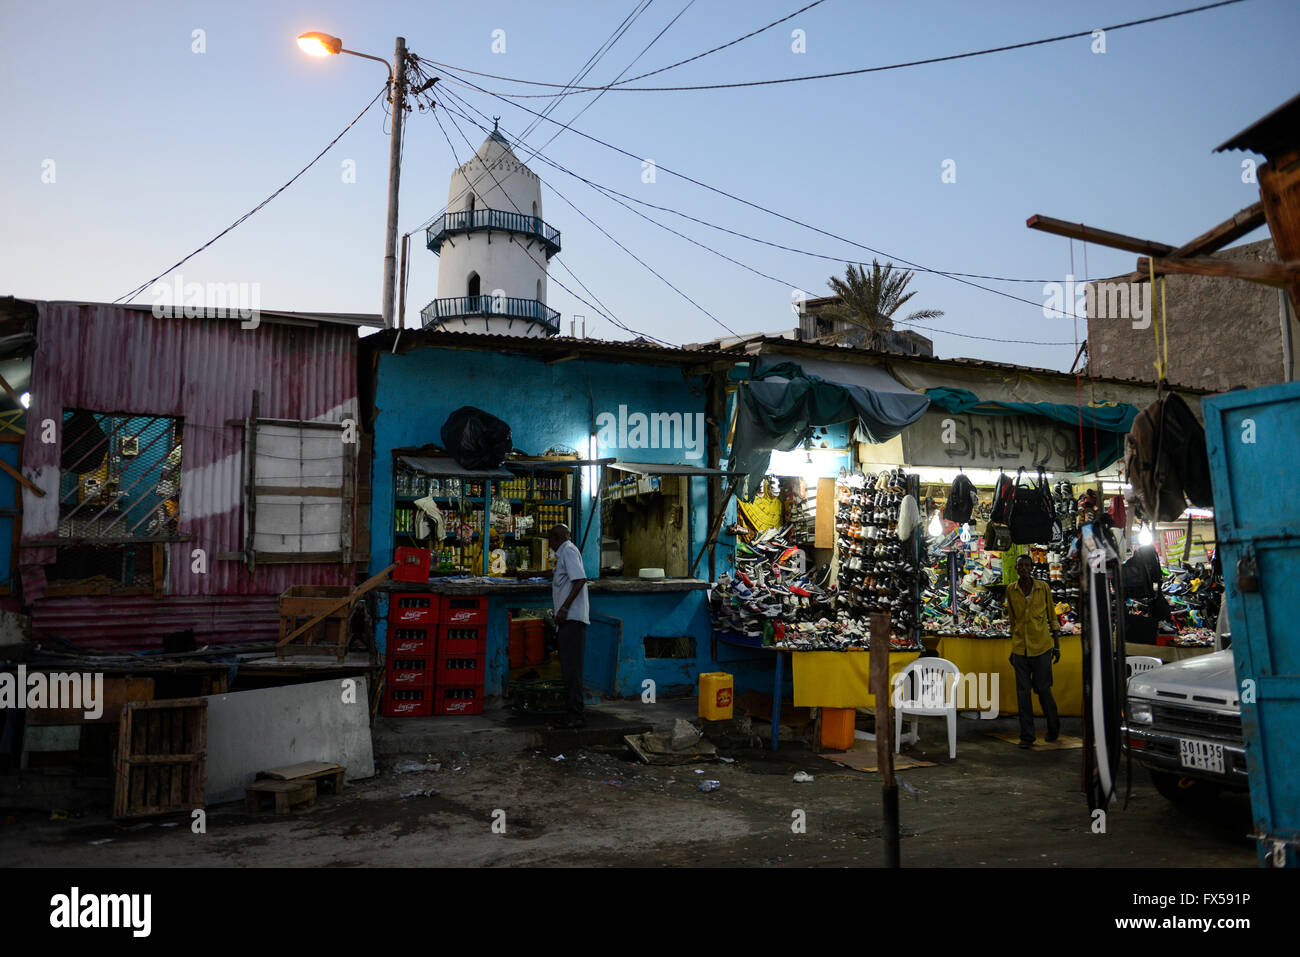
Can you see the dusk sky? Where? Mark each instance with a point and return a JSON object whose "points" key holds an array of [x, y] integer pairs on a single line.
{"points": [[157, 146]]}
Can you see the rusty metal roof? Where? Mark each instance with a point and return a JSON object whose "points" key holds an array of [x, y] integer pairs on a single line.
{"points": [[867, 355], [553, 347], [353, 319], [1275, 133]]}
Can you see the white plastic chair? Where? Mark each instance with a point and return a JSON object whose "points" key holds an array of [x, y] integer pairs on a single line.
{"points": [[1136, 664], [931, 693]]}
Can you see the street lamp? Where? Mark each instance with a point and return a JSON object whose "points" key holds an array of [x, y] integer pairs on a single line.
{"points": [[322, 44]]}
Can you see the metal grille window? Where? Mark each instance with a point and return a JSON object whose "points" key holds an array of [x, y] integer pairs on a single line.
{"points": [[120, 477]]}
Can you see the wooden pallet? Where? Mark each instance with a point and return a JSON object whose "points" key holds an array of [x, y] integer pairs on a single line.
{"points": [[313, 622], [161, 757], [318, 771], [285, 795]]}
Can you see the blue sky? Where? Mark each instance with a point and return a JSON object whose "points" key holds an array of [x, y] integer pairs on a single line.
{"points": [[156, 148]]}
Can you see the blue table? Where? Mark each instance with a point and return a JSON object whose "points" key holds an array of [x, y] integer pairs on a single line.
{"points": [[727, 639]]}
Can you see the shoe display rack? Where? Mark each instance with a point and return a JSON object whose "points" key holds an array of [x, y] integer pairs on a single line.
{"points": [[878, 572]]}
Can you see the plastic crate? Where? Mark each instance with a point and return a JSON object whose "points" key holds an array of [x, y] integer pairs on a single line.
{"points": [[464, 611], [408, 642], [460, 671], [462, 641], [458, 701], [410, 672], [407, 608], [407, 702], [412, 564]]}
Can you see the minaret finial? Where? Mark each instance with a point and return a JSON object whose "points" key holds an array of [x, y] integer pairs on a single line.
{"points": [[495, 121]]}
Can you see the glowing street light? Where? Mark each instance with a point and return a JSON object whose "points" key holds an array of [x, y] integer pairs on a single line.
{"points": [[322, 44]]}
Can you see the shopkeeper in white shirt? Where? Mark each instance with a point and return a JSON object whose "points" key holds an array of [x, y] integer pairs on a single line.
{"points": [[569, 595]]}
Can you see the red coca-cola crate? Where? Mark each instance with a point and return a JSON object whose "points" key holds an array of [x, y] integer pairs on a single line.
{"points": [[458, 701], [408, 642], [464, 611], [460, 671], [412, 564], [462, 641], [408, 608], [407, 702], [410, 672]]}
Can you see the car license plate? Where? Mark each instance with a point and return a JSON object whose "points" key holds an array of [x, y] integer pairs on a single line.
{"points": [[1201, 755]]}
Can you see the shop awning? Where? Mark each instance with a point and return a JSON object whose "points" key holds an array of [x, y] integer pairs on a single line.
{"points": [[446, 465], [658, 468], [783, 400], [1104, 426]]}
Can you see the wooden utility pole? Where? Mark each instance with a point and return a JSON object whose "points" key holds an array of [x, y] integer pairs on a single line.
{"points": [[884, 752]]}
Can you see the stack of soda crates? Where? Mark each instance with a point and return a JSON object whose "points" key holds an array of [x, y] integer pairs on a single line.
{"points": [[411, 654], [462, 655]]}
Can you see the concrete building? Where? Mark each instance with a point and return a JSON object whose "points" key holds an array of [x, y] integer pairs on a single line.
{"points": [[1223, 333], [493, 247]]}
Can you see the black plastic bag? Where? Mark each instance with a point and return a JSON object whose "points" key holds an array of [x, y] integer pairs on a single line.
{"points": [[476, 439]]}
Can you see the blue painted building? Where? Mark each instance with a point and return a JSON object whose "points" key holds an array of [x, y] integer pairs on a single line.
{"points": [[583, 396]]}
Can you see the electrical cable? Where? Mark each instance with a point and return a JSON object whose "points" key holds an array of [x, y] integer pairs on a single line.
{"points": [[457, 100], [731, 232], [862, 70], [609, 316], [782, 216], [607, 235], [145, 285]]}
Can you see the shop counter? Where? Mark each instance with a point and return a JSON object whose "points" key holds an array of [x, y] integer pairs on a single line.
{"points": [[840, 679], [505, 586], [993, 656]]}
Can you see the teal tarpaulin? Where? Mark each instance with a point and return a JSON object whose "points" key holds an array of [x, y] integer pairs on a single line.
{"points": [[781, 402], [1104, 427]]}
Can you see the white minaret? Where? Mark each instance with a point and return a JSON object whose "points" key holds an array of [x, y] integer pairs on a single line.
{"points": [[493, 247]]}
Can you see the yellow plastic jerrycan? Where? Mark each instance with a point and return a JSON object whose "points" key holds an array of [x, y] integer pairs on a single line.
{"points": [[716, 692]]}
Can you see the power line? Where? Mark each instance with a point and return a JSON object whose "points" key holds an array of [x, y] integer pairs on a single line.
{"points": [[607, 235], [732, 232], [857, 72], [608, 44], [145, 285], [772, 212], [607, 315], [589, 105], [473, 122]]}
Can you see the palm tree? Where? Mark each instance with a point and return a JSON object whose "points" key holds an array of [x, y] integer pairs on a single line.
{"points": [[868, 302]]}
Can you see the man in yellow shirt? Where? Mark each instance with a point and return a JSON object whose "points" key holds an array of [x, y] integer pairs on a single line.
{"points": [[1035, 647]]}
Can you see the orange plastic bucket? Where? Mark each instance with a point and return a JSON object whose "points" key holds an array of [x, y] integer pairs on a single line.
{"points": [[534, 641], [518, 630]]}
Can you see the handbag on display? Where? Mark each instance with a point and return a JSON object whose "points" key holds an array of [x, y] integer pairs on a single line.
{"points": [[1031, 515], [996, 537], [1002, 494]]}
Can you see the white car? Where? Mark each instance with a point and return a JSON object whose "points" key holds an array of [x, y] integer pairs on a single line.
{"points": [[1184, 725]]}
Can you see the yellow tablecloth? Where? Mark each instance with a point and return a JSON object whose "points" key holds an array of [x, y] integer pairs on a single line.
{"points": [[841, 679], [992, 655]]}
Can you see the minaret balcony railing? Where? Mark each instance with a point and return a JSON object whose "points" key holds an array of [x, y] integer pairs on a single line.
{"points": [[461, 307], [480, 220]]}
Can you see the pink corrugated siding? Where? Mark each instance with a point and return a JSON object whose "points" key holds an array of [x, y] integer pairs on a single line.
{"points": [[204, 370], [139, 623]]}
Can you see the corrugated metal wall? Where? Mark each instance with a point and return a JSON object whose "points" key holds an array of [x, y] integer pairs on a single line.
{"points": [[110, 359]]}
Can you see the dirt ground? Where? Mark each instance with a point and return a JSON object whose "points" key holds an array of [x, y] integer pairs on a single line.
{"points": [[995, 805]]}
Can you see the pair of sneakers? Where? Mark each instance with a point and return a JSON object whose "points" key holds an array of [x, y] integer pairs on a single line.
{"points": [[1050, 739]]}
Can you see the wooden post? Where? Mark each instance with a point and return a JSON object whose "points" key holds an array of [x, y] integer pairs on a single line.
{"points": [[884, 733]]}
